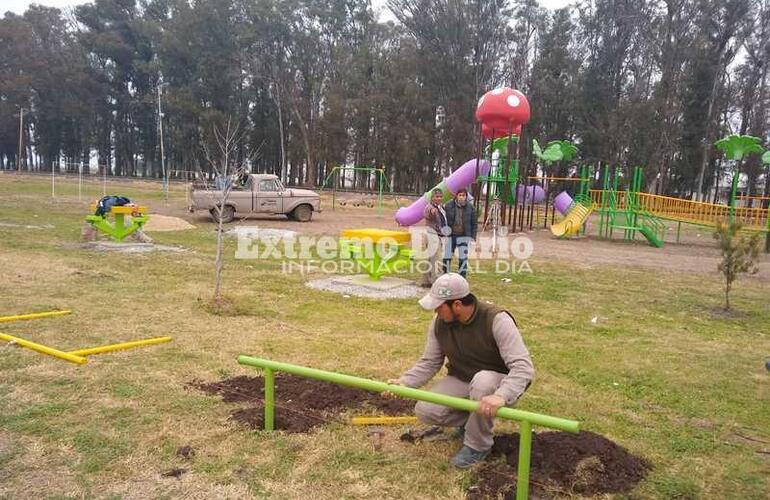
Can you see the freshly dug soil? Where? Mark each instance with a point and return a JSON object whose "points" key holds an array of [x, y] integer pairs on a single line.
{"points": [[561, 464], [300, 403], [159, 222]]}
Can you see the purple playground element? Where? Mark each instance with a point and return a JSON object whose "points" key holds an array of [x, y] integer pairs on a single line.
{"points": [[562, 202], [465, 175], [461, 178], [407, 216], [539, 194]]}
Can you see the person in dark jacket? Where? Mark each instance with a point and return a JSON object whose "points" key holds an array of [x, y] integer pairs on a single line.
{"points": [[461, 219]]}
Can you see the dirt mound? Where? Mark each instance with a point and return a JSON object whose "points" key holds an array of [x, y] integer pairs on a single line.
{"points": [[301, 403], [159, 222], [561, 463]]}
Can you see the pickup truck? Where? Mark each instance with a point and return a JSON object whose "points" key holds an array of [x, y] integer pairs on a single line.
{"points": [[255, 194]]}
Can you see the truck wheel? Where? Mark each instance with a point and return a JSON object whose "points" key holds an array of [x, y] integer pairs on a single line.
{"points": [[228, 214], [302, 213]]}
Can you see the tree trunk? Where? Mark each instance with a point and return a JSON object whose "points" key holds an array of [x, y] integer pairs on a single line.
{"points": [[310, 169]]}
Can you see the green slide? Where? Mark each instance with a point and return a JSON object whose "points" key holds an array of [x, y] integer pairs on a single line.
{"points": [[650, 235]]}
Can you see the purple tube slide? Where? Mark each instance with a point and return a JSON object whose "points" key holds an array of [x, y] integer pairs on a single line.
{"points": [[457, 180], [562, 202]]}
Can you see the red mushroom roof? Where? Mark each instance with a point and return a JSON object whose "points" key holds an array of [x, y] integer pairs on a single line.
{"points": [[499, 108], [488, 131]]}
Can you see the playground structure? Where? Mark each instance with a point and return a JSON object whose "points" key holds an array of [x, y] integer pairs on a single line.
{"points": [[78, 356], [511, 197], [120, 228], [526, 419], [514, 199], [633, 211], [381, 182], [377, 251]]}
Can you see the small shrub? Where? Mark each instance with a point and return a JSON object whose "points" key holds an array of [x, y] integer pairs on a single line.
{"points": [[740, 254]]}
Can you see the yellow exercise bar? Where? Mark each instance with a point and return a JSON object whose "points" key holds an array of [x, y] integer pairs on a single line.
{"points": [[383, 420], [21, 317], [120, 347], [68, 356]]}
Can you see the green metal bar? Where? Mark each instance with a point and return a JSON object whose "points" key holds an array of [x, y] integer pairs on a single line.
{"points": [[733, 191], [525, 450], [409, 393], [269, 399]]}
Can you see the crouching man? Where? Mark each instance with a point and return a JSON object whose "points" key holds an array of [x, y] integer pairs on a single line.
{"points": [[487, 361]]}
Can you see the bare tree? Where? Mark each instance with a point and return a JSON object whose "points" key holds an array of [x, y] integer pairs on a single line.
{"points": [[221, 162]]}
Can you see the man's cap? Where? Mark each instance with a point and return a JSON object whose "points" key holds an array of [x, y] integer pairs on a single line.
{"points": [[450, 286]]}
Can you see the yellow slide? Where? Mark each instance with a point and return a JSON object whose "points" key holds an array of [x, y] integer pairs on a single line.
{"points": [[574, 220]]}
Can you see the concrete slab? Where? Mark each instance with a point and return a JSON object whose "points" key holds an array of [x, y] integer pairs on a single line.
{"points": [[384, 283]]}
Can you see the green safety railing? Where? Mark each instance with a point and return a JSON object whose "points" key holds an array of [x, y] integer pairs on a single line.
{"points": [[526, 419]]}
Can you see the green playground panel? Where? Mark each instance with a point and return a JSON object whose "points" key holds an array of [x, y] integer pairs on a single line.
{"points": [[120, 228], [371, 259]]}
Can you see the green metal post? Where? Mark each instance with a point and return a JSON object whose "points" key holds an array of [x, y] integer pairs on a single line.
{"points": [[615, 195], [604, 217], [525, 449], [269, 399], [733, 192], [380, 182]]}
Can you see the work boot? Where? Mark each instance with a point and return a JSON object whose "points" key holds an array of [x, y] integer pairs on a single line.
{"points": [[468, 457]]}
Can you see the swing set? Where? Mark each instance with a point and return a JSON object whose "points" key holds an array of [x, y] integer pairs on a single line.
{"points": [[381, 180]]}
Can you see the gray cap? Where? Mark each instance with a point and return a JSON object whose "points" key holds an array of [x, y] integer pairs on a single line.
{"points": [[448, 286]]}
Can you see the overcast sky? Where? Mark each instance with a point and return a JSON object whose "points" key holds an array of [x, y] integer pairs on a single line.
{"points": [[19, 6]]}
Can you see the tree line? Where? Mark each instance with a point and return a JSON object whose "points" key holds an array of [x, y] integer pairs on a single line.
{"points": [[312, 84]]}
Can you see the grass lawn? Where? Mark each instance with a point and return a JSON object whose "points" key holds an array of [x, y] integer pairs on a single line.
{"points": [[659, 373]]}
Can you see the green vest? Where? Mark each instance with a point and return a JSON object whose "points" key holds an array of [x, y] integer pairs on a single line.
{"points": [[471, 347]]}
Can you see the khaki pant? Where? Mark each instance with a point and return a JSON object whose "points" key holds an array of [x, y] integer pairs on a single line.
{"points": [[478, 429], [435, 258]]}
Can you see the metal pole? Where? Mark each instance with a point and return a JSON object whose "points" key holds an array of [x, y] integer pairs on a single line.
{"points": [[162, 155], [269, 399], [24, 317], [21, 138], [406, 392], [525, 449], [80, 181], [53, 180], [43, 349], [120, 347]]}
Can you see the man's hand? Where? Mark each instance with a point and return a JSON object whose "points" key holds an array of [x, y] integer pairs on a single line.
{"points": [[392, 381], [488, 405]]}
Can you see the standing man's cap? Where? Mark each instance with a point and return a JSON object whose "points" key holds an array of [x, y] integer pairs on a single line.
{"points": [[448, 286]]}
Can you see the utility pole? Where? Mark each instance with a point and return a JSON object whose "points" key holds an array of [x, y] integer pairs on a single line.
{"points": [[162, 153], [21, 138]]}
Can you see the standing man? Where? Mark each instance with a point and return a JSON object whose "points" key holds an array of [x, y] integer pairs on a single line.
{"points": [[435, 221], [461, 218], [486, 361]]}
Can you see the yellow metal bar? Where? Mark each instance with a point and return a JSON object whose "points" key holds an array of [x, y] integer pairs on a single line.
{"points": [[67, 356], [22, 317], [383, 420], [120, 347]]}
